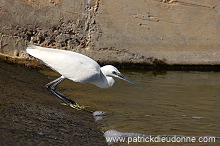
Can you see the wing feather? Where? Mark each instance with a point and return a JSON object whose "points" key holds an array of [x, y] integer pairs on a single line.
{"points": [[72, 65]]}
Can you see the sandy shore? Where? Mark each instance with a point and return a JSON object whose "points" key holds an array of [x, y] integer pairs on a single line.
{"points": [[30, 115]]}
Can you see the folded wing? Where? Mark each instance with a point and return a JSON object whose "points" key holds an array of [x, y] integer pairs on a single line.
{"points": [[72, 65]]}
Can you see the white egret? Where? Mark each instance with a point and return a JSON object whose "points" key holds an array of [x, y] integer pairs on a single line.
{"points": [[76, 67]]}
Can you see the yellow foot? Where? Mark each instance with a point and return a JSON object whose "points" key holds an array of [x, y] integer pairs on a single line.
{"points": [[77, 106]]}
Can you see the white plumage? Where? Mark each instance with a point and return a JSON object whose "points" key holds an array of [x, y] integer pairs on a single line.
{"points": [[76, 67], [72, 65]]}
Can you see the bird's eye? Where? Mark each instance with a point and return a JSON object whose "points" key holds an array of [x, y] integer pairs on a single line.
{"points": [[114, 72]]}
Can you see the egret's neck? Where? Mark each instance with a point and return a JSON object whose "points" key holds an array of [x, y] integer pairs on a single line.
{"points": [[103, 81], [110, 81]]}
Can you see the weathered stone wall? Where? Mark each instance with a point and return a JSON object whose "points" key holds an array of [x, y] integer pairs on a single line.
{"points": [[58, 23], [184, 32]]}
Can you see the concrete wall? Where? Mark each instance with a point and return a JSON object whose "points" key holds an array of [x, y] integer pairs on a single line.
{"points": [[184, 32], [175, 32]]}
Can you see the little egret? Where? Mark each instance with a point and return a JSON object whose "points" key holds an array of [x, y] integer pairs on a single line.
{"points": [[76, 67]]}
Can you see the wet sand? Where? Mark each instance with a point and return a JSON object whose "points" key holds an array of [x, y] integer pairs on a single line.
{"points": [[30, 115]]}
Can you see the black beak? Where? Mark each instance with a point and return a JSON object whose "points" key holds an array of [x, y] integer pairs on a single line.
{"points": [[121, 76]]}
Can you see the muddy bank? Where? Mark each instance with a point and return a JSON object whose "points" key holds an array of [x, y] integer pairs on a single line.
{"points": [[30, 115]]}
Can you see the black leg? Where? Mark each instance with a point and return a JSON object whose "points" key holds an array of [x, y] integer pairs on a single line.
{"points": [[52, 88]]}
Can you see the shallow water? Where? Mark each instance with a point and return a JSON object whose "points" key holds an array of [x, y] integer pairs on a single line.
{"points": [[170, 102]]}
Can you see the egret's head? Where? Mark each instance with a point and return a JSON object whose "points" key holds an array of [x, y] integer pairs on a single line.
{"points": [[111, 71]]}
